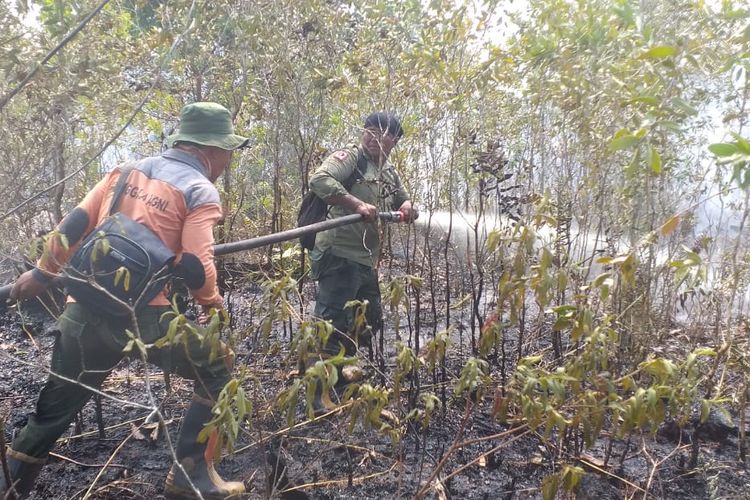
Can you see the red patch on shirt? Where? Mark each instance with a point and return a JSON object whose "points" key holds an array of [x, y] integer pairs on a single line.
{"points": [[341, 155]]}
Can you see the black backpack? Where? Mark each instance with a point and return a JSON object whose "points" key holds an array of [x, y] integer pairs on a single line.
{"points": [[123, 257], [313, 209]]}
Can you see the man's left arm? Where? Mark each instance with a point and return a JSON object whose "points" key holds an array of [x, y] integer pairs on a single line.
{"points": [[196, 264]]}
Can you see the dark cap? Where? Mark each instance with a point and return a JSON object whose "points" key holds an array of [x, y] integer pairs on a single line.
{"points": [[385, 122]]}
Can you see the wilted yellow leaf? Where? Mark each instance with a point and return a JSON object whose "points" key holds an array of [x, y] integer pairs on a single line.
{"points": [[668, 227]]}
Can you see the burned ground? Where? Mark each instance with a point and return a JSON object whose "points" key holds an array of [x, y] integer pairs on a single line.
{"points": [[483, 458]]}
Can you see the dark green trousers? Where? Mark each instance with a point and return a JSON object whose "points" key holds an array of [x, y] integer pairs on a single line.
{"points": [[88, 348], [340, 281]]}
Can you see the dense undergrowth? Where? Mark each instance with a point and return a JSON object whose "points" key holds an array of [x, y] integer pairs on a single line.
{"points": [[579, 271]]}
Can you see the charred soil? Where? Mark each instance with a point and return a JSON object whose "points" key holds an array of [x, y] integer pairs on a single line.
{"points": [[124, 455]]}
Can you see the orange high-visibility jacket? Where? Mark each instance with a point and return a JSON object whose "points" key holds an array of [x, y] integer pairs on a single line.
{"points": [[171, 195]]}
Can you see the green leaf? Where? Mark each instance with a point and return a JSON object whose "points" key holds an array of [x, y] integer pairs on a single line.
{"points": [[105, 246], [141, 346], [681, 275], [705, 410], [352, 303], [684, 106], [571, 477], [706, 351], [659, 367], [670, 125], [654, 160], [561, 324], [493, 240], [119, 274], [646, 99], [529, 360], [622, 142], [659, 52], [550, 485], [723, 149], [620, 259], [601, 279], [741, 142]]}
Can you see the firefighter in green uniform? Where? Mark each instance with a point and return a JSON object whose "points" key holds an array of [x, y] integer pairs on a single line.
{"points": [[345, 259]]}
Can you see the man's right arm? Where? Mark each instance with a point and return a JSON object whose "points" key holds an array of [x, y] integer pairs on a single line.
{"points": [[327, 183], [368, 212]]}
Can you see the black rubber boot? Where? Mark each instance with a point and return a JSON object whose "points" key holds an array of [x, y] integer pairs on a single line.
{"points": [[23, 473], [198, 460]]}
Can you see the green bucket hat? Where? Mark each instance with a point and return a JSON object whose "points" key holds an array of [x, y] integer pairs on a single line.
{"points": [[209, 124]]}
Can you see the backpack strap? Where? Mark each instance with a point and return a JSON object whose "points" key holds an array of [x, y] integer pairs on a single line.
{"points": [[120, 186], [357, 174]]}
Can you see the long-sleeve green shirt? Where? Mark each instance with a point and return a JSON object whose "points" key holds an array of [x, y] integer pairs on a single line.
{"points": [[378, 185]]}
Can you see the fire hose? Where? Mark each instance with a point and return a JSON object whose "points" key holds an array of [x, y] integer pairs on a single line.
{"points": [[271, 239]]}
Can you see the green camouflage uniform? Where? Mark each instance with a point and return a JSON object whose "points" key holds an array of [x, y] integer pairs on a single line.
{"points": [[345, 259]]}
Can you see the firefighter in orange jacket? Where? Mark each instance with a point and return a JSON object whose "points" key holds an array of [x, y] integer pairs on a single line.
{"points": [[174, 196]]}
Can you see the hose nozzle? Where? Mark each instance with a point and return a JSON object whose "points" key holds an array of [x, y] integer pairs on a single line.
{"points": [[391, 216]]}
